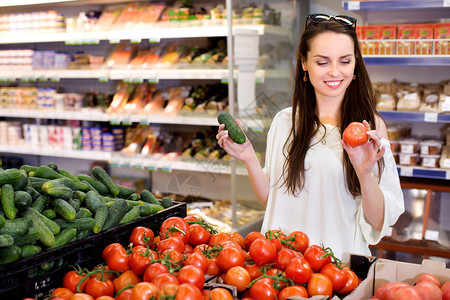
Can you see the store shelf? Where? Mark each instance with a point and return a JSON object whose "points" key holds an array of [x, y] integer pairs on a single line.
{"points": [[85, 115], [407, 116], [26, 149], [421, 247], [408, 60], [420, 172], [157, 163], [134, 75], [153, 34], [394, 4]]}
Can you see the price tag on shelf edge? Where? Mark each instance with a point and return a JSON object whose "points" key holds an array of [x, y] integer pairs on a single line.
{"points": [[431, 117], [353, 5], [431, 235], [446, 3], [405, 171]]}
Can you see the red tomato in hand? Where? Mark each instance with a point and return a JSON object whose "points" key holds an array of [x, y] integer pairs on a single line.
{"points": [[142, 236], [174, 226], [355, 134]]}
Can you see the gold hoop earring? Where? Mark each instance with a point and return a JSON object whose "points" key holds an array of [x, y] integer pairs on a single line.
{"points": [[305, 78], [354, 76]]}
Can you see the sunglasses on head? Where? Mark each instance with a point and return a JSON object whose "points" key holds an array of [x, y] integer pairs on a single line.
{"points": [[319, 18]]}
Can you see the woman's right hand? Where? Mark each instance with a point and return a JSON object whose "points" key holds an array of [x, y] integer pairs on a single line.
{"points": [[243, 152]]}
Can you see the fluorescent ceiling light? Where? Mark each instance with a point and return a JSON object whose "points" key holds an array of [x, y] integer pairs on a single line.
{"points": [[29, 2]]}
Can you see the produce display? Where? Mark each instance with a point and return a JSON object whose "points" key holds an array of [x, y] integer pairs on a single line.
{"points": [[44, 207], [189, 259]]}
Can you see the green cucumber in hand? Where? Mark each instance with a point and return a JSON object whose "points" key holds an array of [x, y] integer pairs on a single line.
{"points": [[234, 131]]}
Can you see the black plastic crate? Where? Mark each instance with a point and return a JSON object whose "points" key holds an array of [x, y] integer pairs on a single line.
{"points": [[24, 278], [15, 281], [121, 234]]}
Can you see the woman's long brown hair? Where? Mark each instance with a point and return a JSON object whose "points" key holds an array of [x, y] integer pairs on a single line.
{"points": [[358, 105]]}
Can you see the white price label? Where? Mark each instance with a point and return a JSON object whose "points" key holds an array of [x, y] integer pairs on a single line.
{"points": [[446, 3], [431, 117], [353, 5], [447, 175], [431, 235], [446, 104], [406, 172]]}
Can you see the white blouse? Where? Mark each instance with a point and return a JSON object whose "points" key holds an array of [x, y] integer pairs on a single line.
{"points": [[324, 209]]}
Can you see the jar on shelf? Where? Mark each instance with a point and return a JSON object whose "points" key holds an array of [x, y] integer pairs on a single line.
{"points": [[409, 146], [429, 161], [431, 147], [408, 159]]}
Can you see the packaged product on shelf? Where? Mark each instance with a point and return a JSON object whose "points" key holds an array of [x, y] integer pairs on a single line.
{"points": [[409, 145], [108, 17], [119, 100], [150, 16], [155, 104], [138, 99], [388, 34], [407, 159], [445, 157], [370, 33], [430, 98], [431, 147], [405, 32], [442, 34], [384, 96], [122, 54], [129, 17], [429, 161], [424, 33], [444, 99], [408, 99]]}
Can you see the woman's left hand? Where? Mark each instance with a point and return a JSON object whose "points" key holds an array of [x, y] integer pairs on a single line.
{"points": [[364, 157]]}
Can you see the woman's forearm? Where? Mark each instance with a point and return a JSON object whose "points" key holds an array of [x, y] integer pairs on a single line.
{"points": [[372, 201], [258, 180]]}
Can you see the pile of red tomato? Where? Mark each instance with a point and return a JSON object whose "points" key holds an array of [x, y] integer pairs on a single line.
{"points": [[188, 252]]}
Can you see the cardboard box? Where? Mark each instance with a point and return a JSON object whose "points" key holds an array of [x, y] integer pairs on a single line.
{"points": [[371, 32], [387, 33]]}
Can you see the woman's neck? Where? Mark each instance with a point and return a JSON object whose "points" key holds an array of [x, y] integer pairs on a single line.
{"points": [[329, 111]]}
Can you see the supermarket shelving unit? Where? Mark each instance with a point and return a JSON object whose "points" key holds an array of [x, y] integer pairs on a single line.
{"points": [[431, 180], [104, 75]]}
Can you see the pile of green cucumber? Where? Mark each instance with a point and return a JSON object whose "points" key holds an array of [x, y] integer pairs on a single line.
{"points": [[44, 207]]}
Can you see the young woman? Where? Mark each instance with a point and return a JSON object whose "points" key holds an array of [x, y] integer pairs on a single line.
{"points": [[342, 197]]}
